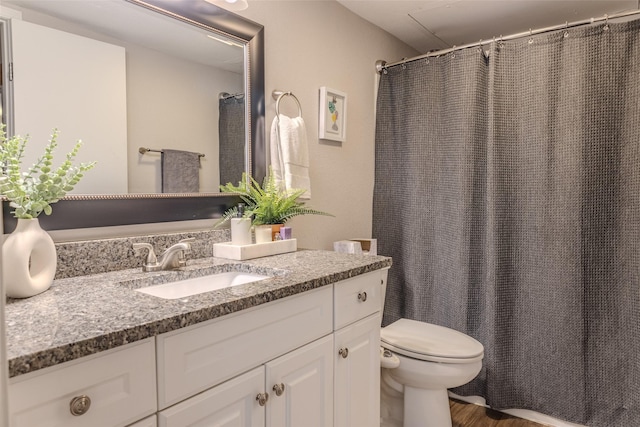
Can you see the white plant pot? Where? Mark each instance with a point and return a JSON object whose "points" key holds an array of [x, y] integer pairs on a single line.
{"points": [[29, 260]]}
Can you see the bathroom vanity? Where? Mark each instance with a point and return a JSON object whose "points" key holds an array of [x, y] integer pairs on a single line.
{"points": [[299, 348]]}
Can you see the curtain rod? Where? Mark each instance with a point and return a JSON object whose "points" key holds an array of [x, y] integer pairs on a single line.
{"points": [[381, 65]]}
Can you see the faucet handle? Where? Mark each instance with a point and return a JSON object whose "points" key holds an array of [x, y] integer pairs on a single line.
{"points": [[151, 256], [182, 255]]}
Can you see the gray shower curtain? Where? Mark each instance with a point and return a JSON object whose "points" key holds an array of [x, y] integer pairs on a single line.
{"points": [[231, 129], [508, 193]]}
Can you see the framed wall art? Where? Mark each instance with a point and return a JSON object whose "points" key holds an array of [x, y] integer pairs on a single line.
{"points": [[332, 122]]}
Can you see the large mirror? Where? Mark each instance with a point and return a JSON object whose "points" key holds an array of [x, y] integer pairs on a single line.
{"points": [[189, 76]]}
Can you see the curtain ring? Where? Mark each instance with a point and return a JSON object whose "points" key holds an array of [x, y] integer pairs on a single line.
{"points": [[606, 22], [479, 48], [530, 36], [566, 29], [453, 52]]}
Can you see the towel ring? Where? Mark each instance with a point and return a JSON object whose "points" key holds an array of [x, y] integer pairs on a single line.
{"points": [[278, 95]]}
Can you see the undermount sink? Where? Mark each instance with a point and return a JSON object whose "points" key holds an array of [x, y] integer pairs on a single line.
{"points": [[198, 285]]}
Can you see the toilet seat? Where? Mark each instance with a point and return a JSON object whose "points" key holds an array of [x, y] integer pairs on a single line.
{"points": [[432, 343]]}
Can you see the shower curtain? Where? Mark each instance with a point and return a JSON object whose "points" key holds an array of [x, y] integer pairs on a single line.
{"points": [[507, 191], [231, 129]]}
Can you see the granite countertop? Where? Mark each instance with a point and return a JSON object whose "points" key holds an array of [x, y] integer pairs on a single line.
{"points": [[84, 315]]}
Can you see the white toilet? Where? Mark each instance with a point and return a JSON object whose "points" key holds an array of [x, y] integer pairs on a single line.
{"points": [[420, 361]]}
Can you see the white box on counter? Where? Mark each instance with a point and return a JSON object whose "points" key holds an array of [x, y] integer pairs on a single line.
{"points": [[256, 250]]}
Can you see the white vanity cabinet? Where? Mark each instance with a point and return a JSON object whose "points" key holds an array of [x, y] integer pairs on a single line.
{"points": [[358, 303], [295, 389], [111, 389], [273, 364], [310, 360], [197, 358], [307, 360]]}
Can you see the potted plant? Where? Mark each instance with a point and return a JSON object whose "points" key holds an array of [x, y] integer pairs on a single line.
{"points": [[29, 255], [267, 204]]}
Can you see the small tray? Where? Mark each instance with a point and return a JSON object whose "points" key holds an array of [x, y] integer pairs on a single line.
{"points": [[257, 250]]}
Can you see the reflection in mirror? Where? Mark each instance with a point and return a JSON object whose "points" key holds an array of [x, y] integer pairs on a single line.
{"points": [[96, 210], [122, 78]]}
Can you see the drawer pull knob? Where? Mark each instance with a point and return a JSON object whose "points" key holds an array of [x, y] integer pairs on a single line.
{"points": [[262, 398], [344, 352], [279, 389], [362, 296], [79, 405]]}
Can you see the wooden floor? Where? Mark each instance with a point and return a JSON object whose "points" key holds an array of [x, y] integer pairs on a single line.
{"points": [[470, 415]]}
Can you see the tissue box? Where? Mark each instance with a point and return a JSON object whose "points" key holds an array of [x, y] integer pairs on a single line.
{"points": [[369, 246], [347, 247]]}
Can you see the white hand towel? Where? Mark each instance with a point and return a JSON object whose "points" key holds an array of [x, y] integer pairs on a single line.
{"points": [[290, 154]]}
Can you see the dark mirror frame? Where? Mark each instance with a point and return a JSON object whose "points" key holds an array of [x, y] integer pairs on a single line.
{"points": [[85, 211]]}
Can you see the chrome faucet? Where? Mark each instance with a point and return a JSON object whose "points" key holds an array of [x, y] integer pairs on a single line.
{"points": [[173, 257]]}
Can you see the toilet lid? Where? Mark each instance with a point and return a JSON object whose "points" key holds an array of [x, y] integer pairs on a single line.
{"points": [[426, 341]]}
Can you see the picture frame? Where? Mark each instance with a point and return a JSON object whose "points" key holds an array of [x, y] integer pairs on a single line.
{"points": [[332, 123]]}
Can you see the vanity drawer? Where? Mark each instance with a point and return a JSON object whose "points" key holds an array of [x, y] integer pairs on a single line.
{"points": [[120, 384], [357, 298], [199, 357]]}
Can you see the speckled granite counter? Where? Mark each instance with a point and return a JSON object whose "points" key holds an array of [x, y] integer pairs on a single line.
{"points": [[84, 315]]}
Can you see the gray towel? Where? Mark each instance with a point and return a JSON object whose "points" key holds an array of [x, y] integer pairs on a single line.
{"points": [[180, 171]]}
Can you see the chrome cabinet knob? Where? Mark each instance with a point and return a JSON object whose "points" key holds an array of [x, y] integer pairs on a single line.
{"points": [[278, 389], [344, 352], [262, 398], [79, 405], [362, 296]]}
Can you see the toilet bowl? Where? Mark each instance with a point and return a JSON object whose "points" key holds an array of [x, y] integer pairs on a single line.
{"points": [[430, 360], [419, 362]]}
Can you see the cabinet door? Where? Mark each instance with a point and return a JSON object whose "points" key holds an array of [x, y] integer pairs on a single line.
{"points": [[300, 386], [231, 404], [357, 374]]}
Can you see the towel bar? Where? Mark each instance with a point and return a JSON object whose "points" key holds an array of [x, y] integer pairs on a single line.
{"points": [[143, 150]]}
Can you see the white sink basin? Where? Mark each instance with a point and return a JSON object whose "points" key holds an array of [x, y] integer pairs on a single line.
{"points": [[198, 285]]}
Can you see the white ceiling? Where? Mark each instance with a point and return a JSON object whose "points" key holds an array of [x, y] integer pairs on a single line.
{"points": [[439, 24]]}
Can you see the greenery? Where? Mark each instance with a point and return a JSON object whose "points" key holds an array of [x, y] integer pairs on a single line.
{"points": [[266, 204], [33, 192]]}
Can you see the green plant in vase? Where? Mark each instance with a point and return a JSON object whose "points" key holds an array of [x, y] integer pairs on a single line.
{"points": [[266, 204], [29, 254]]}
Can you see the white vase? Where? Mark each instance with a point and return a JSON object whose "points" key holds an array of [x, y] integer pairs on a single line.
{"points": [[29, 260]]}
